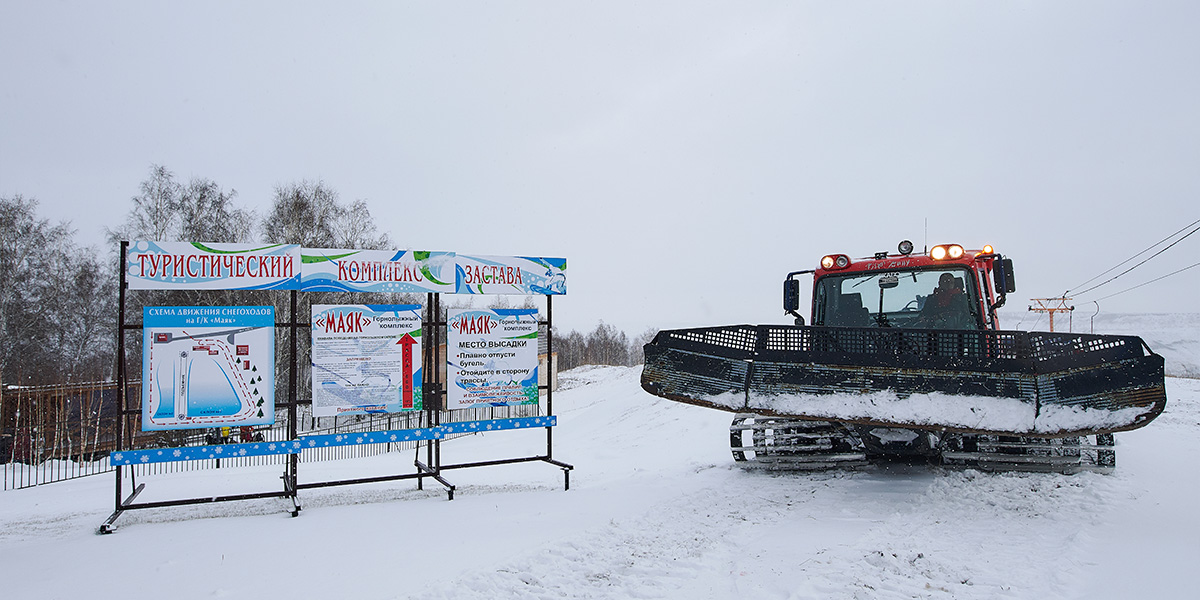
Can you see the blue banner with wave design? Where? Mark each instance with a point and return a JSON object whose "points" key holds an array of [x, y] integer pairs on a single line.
{"points": [[205, 266], [386, 271], [511, 275], [220, 266]]}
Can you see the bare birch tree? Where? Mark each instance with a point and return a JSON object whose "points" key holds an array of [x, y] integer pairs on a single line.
{"points": [[305, 213], [207, 214]]}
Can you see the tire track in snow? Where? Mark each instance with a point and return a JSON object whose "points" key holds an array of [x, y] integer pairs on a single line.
{"points": [[681, 548], [968, 535]]}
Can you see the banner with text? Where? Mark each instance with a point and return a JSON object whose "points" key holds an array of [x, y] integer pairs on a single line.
{"points": [[511, 275], [220, 266], [201, 266], [366, 358], [207, 366], [492, 357], [327, 270]]}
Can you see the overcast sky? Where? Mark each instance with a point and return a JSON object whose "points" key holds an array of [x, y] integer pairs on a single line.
{"points": [[683, 156]]}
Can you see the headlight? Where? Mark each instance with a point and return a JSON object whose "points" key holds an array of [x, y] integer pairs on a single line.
{"points": [[946, 251], [835, 261]]}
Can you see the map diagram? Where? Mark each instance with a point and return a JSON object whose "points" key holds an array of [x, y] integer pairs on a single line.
{"points": [[203, 376]]}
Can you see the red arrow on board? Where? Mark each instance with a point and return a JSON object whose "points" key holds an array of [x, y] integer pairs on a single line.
{"points": [[406, 385]]}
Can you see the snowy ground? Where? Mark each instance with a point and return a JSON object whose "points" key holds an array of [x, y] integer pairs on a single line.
{"points": [[656, 510]]}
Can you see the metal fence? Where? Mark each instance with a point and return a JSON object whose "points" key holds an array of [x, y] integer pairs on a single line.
{"points": [[60, 432], [56, 432]]}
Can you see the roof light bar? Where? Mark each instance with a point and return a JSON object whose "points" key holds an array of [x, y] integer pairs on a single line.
{"points": [[946, 252], [835, 261]]}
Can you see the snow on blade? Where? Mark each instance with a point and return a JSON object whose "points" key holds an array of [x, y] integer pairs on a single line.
{"points": [[935, 410]]}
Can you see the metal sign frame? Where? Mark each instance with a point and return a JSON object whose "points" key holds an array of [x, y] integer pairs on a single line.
{"points": [[428, 437]]}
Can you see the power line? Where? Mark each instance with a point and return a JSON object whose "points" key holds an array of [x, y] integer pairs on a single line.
{"points": [[1119, 265], [1148, 282], [1035, 323], [1151, 257]]}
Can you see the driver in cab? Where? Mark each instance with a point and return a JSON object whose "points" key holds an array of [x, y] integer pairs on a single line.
{"points": [[947, 307]]}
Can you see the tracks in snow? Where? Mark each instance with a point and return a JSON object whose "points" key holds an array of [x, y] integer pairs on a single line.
{"points": [[922, 533]]}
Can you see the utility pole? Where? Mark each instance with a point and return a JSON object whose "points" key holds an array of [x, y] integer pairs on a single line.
{"points": [[1052, 305]]}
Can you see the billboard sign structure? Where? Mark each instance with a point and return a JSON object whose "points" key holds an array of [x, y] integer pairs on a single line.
{"points": [[214, 366], [366, 358], [218, 266], [511, 275], [385, 271], [492, 357], [204, 266], [207, 366]]}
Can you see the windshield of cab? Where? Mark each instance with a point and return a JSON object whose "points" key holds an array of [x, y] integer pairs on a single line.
{"points": [[930, 299]]}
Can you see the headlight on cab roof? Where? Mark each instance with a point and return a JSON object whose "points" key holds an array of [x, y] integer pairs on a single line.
{"points": [[946, 252], [835, 261]]}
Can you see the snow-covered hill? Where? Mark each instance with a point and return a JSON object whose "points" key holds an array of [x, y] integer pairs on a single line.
{"points": [[656, 509]]}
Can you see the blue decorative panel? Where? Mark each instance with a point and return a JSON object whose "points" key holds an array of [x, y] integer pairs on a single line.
{"points": [[158, 455], [370, 437], [499, 424]]}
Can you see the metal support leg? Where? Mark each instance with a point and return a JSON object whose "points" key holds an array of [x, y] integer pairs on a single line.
{"points": [[107, 526]]}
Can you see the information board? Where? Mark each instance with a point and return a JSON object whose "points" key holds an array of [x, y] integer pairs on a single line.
{"points": [[207, 366], [366, 358], [492, 357]]}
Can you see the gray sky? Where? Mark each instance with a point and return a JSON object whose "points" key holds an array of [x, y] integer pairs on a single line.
{"points": [[683, 156]]}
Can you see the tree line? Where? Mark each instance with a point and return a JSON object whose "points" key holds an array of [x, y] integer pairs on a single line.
{"points": [[604, 345], [59, 302]]}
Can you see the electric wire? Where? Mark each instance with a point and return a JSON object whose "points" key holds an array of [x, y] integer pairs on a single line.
{"points": [[1037, 322], [1148, 282], [1120, 264], [1148, 259]]}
